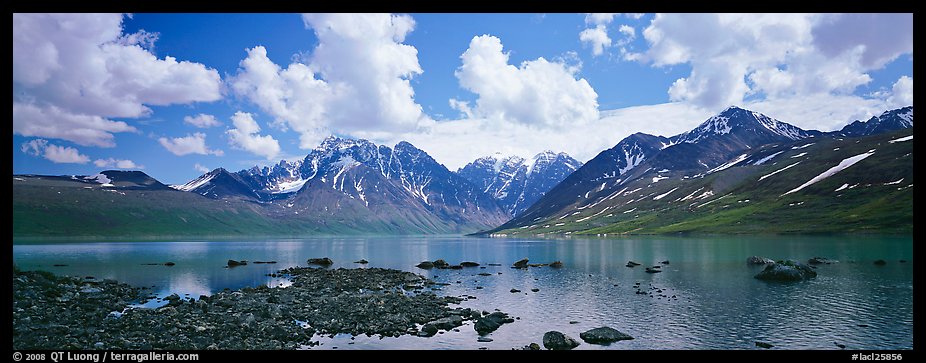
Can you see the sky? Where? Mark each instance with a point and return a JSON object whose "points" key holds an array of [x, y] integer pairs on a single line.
{"points": [[177, 95]]}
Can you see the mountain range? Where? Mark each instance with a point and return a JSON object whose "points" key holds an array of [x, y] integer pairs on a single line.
{"points": [[737, 172]]}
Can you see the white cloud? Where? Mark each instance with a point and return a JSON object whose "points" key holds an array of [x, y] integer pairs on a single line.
{"points": [[357, 78], [72, 72], [629, 34], [200, 168], [901, 93], [50, 121], [597, 37], [599, 18], [54, 153], [189, 144], [634, 15], [117, 163], [455, 143], [539, 92], [244, 136], [772, 56], [202, 121]]}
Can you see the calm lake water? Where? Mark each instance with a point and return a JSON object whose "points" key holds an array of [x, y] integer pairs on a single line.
{"points": [[718, 304]]}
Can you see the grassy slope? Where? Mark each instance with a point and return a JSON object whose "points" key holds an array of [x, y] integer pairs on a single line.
{"points": [[743, 204]]}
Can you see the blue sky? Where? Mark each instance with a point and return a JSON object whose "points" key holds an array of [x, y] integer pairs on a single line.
{"points": [[177, 94]]}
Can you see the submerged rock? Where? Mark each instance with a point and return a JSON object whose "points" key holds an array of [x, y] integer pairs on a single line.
{"points": [[469, 264], [427, 265], [632, 264], [233, 263], [362, 261], [653, 269], [556, 264], [786, 271], [324, 261], [169, 263], [763, 345], [821, 261], [603, 335], [522, 263], [757, 260], [880, 262], [555, 340]]}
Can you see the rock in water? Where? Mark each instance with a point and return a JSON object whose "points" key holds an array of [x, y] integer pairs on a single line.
{"points": [[556, 264], [756, 260], [427, 265], [440, 263], [821, 261], [522, 263], [653, 270], [491, 322], [469, 264], [484, 340], [555, 340], [786, 271], [324, 261], [447, 323], [603, 335], [362, 261], [880, 262], [666, 262], [233, 263], [764, 345], [632, 264], [169, 263]]}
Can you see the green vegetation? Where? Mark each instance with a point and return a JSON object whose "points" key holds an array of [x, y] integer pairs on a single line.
{"points": [[873, 201]]}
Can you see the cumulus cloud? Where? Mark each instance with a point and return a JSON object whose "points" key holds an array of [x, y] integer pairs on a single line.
{"points": [[189, 144], [357, 78], [117, 163], [771, 56], [202, 121], [244, 136], [455, 143], [538, 92], [599, 18], [597, 37], [200, 168], [54, 153], [73, 72], [901, 93]]}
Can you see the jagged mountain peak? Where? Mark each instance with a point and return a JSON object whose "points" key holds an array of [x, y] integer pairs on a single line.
{"points": [[887, 121], [735, 119]]}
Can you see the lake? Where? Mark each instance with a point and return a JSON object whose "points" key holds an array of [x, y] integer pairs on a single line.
{"points": [[717, 303]]}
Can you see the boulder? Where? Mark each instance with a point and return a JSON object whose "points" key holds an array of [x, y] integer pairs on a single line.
{"points": [[362, 261], [764, 345], [653, 269], [324, 261], [880, 262], [555, 340], [666, 262], [233, 263], [556, 264], [786, 271], [490, 322], [446, 323], [169, 263], [514, 291], [522, 263], [757, 260], [603, 335], [484, 339], [469, 264], [632, 264], [440, 263], [427, 265]]}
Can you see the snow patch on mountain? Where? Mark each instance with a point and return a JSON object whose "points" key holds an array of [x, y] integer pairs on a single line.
{"points": [[845, 163]]}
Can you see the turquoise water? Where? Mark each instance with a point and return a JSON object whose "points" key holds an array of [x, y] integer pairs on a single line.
{"points": [[717, 305]]}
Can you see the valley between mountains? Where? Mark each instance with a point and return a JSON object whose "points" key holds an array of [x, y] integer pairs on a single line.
{"points": [[737, 172]]}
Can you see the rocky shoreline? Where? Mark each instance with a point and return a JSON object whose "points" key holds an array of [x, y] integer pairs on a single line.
{"points": [[60, 312]]}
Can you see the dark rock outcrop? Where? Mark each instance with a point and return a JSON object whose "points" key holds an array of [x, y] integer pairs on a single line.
{"points": [[786, 271], [522, 263], [603, 335], [757, 260], [555, 340], [324, 261]]}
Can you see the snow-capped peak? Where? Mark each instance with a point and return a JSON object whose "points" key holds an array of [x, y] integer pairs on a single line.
{"points": [[733, 118]]}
